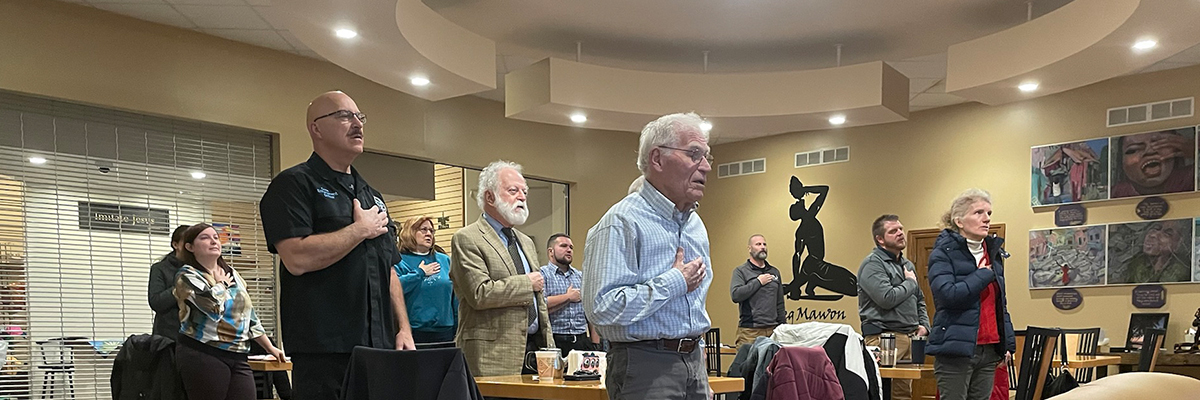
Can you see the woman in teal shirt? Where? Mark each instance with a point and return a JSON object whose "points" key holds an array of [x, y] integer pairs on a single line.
{"points": [[425, 275]]}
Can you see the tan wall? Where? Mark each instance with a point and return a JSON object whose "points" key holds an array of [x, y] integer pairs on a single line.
{"points": [[911, 168], [915, 168], [448, 201], [81, 54]]}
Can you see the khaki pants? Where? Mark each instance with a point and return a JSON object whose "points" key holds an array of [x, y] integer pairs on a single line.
{"points": [[901, 388], [747, 335]]}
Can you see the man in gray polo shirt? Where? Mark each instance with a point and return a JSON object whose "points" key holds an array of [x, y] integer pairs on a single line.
{"points": [[889, 298], [756, 288]]}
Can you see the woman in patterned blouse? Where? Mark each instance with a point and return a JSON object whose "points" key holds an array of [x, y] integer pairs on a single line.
{"points": [[217, 321]]}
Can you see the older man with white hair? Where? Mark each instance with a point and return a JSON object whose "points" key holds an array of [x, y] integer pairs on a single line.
{"points": [[494, 268], [646, 269]]}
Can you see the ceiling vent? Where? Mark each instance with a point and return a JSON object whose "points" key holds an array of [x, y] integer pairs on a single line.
{"points": [[738, 168], [1149, 112], [823, 156]]}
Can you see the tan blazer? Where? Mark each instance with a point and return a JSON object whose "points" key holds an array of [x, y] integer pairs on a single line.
{"points": [[492, 316]]}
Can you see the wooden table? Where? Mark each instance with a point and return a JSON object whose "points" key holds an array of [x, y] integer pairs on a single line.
{"points": [[1180, 363], [903, 371], [525, 387], [271, 365], [1101, 363], [728, 351]]}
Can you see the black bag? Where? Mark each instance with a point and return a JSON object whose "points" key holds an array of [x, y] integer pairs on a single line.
{"points": [[1059, 379]]}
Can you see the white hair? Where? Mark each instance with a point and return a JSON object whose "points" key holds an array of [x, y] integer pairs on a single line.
{"points": [[962, 205], [665, 131], [489, 179], [637, 184]]}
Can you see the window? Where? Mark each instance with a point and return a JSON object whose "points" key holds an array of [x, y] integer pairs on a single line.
{"points": [[88, 200]]}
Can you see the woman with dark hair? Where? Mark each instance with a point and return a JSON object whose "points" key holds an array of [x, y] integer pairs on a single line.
{"points": [[972, 331], [424, 273], [217, 321], [162, 288]]}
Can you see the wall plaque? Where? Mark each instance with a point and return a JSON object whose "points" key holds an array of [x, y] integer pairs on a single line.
{"points": [[1149, 296], [1152, 208], [125, 219], [1067, 299], [1070, 215]]}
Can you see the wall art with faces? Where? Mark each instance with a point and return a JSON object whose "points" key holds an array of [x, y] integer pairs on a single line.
{"points": [[1129, 253], [1139, 164]]}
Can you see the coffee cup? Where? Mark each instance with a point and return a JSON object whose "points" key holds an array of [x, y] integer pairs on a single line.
{"points": [[547, 363]]}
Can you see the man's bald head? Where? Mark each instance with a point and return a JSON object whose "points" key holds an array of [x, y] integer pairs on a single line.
{"points": [[326, 103], [755, 237], [335, 126]]}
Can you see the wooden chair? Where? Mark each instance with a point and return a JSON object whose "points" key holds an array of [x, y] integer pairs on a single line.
{"points": [[1016, 357], [1151, 342], [1036, 356], [1082, 341], [712, 351]]}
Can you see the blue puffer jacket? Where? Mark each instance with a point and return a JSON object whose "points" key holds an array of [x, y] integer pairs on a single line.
{"points": [[957, 282]]}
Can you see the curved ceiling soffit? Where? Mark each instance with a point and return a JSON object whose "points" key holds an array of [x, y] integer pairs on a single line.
{"points": [[742, 105], [397, 41], [419, 41], [1081, 43]]}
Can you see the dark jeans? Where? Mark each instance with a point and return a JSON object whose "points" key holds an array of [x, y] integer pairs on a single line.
{"points": [[581, 342], [318, 376], [967, 378], [211, 373], [644, 370]]}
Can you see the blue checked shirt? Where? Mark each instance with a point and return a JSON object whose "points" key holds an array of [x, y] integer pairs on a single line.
{"points": [[568, 320], [631, 292]]}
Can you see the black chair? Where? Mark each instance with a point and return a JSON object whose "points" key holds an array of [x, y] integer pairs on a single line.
{"points": [[431, 374], [1036, 356], [1152, 340], [712, 351], [1088, 345], [1012, 370]]}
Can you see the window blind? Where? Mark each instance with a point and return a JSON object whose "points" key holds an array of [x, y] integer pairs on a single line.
{"points": [[88, 199]]}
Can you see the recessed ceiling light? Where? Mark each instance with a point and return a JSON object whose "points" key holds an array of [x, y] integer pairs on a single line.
{"points": [[420, 81], [37, 160], [345, 33], [1028, 86], [578, 118], [837, 119], [706, 126], [198, 175], [1145, 44]]}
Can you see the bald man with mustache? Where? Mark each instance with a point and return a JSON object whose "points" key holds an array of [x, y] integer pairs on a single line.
{"points": [[336, 247]]}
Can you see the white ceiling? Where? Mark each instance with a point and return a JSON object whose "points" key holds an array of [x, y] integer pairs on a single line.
{"points": [[670, 35]]}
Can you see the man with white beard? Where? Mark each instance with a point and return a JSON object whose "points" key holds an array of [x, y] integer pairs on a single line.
{"points": [[502, 313]]}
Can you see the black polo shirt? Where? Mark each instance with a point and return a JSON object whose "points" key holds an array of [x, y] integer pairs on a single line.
{"points": [[346, 304]]}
